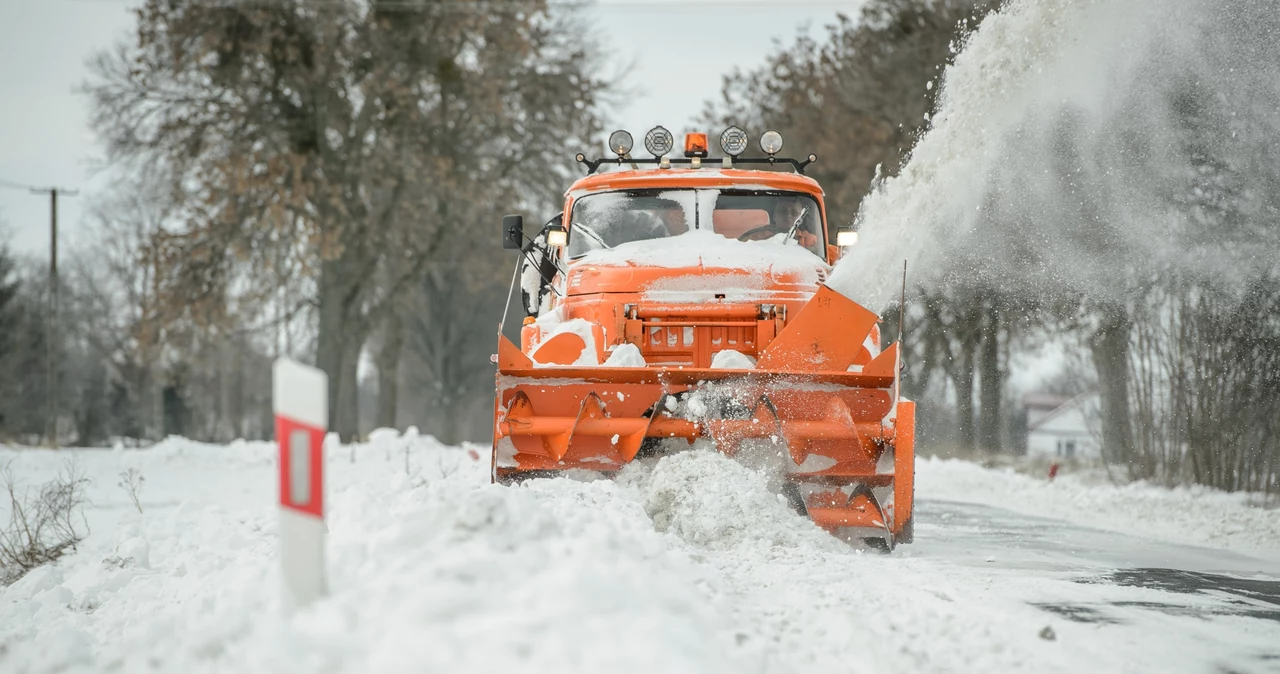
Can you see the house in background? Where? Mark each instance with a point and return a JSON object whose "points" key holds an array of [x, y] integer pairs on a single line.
{"points": [[1060, 427]]}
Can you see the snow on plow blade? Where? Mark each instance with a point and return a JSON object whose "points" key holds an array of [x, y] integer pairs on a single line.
{"points": [[849, 443]]}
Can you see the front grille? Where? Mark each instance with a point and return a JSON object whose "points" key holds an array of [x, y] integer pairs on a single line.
{"points": [[692, 342]]}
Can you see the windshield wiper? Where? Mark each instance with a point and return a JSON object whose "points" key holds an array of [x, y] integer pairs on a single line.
{"points": [[591, 234], [796, 225]]}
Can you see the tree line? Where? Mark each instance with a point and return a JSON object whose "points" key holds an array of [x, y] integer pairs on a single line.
{"points": [[1169, 216], [315, 179]]}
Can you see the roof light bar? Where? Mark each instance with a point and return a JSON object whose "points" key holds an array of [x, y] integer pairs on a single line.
{"points": [[621, 142], [695, 145], [733, 141], [659, 142], [771, 142]]}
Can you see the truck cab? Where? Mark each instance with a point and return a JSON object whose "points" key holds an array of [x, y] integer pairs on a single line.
{"points": [[682, 263]]}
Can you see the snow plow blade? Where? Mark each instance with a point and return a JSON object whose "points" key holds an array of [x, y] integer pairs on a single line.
{"points": [[848, 441]]}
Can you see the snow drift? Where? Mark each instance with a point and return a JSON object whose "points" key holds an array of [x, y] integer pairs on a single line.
{"points": [[686, 563]]}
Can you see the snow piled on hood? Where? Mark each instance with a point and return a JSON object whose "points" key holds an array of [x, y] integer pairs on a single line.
{"points": [[708, 249]]}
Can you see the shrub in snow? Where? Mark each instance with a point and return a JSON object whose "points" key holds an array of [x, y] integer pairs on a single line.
{"points": [[42, 526], [131, 482]]}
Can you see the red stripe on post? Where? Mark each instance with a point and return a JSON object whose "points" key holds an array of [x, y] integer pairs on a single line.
{"points": [[301, 466]]}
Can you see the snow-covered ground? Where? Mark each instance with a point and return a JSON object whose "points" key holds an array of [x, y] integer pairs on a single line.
{"points": [[684, 564], [1189, 515]]}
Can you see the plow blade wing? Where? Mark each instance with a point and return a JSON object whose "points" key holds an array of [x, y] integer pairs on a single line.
{"points": [[849, 442]]}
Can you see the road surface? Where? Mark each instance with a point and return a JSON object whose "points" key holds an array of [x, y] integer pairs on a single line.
{"points": [[690, 565]]}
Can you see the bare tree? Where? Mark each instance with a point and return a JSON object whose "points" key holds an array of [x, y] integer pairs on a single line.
{"points": [[857, 96], [12, 353], [335, 137]]}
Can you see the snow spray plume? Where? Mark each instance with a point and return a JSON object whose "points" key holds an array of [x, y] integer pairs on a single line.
{"points": [[1082, 147]]}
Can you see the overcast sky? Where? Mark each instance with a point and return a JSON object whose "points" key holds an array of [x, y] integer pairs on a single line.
{"points": [[677, 50]]}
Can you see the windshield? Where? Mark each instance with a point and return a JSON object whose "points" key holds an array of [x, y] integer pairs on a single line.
{"points": [[610, 219]]}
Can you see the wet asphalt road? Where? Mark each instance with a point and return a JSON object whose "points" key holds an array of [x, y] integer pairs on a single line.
{"points": [[1108, 579]]}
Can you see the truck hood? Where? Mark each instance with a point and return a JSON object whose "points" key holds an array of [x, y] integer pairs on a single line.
{"points": [[696, 264]]}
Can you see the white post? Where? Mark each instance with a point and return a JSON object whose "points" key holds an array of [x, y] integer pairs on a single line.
{"points": [[300, 396]]}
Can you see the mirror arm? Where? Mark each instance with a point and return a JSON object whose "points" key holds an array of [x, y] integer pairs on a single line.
{"points": [[545, 281]]}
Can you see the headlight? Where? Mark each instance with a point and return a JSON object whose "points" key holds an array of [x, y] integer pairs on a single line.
{"points": [[846, 237], [558, 236], [621, 143], [659, 142], [733, 141], [771, 142]]}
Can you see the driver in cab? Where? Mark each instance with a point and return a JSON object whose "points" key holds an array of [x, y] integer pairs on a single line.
{"points": [[787, 211]]}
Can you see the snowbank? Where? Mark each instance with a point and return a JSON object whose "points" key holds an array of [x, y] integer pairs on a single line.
{"points": [[1188, 515], [432, 568], [684, 563]]}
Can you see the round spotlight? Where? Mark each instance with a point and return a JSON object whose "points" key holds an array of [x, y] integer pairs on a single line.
{"points": [[621, 143], [771, 142], [659, 142], [733, 141]]}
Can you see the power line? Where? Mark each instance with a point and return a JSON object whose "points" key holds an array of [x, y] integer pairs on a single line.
{"points": [[51, 422], [511, 6], [17, 186]]}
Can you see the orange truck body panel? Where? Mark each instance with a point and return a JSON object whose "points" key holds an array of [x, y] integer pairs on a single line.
{"points": [[822, 388]]}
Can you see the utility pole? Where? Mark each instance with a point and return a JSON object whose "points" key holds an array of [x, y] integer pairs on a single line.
{"points": [[51, 421]]}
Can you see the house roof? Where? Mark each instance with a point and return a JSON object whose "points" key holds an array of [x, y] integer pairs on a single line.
{"points": [[1044, 401], [1058, 411]]}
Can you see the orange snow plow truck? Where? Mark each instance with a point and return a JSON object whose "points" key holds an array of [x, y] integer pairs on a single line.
{"points": [[681, 298]]}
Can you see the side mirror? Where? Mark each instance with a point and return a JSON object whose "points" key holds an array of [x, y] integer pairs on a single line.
{"points": [[540, 263], [513, 232]]}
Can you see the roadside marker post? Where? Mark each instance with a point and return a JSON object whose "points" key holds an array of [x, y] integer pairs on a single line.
{"points": [[300, 398]]}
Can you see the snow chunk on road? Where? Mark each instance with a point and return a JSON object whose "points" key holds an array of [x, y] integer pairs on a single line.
{"points": [[712, 501]]}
